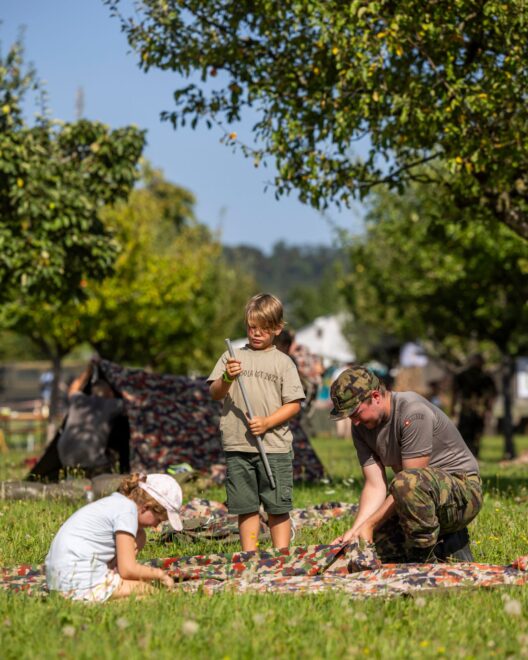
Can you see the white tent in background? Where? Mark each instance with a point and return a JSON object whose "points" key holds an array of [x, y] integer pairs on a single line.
{"points": [[412, 354], [324, 337]]}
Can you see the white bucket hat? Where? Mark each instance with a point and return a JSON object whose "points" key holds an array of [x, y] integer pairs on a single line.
{"points": [[167, 492]]}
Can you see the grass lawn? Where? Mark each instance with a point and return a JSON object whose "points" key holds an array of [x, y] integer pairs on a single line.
{"points": [[461, 624]]}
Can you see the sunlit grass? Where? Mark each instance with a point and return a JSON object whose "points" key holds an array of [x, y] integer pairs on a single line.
{"points": [[470, 624]]}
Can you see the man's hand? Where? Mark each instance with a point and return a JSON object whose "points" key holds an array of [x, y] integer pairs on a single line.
{"points": [[366, 532], [349, 536], [258, 425]]}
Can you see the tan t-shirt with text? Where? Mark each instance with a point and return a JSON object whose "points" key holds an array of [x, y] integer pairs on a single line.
{"points": [[270, 380]]}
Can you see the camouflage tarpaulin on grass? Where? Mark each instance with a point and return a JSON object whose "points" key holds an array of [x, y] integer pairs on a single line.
{"points": [[174, 420], [303, 570], [206, 519]]}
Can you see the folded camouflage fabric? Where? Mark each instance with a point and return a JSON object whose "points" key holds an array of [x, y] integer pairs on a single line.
{"points": [[24, 578], [351, 569], [206, 519]]}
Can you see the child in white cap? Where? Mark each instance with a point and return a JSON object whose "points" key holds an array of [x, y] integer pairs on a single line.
{"points": [[93, 556]]}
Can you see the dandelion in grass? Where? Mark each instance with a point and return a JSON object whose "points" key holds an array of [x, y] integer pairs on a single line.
{"points": [[122, 623], [69, 631], [513, 607], [190, 627], [143, 643], [420, 601]]}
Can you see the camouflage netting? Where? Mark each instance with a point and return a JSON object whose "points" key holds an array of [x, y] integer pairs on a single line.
{"points": [[173, 420]]}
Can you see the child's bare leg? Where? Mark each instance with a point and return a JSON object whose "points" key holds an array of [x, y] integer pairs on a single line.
{"points": [[129, 587], [249, 528], [280, 528]]}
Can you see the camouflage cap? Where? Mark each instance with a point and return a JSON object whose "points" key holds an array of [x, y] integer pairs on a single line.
{"points": [[350, 389]]}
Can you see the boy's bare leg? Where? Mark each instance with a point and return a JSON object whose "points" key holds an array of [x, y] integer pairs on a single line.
{"points": [[249, 528], [280, 528]]}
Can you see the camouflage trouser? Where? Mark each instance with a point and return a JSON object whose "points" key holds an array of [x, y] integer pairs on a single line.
{"points": [[429, 503]]}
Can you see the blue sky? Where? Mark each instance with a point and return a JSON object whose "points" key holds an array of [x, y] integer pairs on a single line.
{"points": [[76, 44]]}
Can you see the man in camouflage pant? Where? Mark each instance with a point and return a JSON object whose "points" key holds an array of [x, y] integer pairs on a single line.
{"points": [[436, 490]]}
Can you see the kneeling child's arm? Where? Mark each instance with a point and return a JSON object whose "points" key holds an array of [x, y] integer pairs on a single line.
{"points": [[129, 569]]}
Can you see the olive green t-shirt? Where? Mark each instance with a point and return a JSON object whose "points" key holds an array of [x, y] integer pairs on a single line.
{"points": [[415, 428], [270, 380]]}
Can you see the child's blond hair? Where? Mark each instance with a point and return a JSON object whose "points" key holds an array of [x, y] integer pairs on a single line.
{"points": [[265, 311], [129, 487]]}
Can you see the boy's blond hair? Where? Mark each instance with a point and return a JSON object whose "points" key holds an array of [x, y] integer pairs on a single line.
{"points": [[265, 311]]}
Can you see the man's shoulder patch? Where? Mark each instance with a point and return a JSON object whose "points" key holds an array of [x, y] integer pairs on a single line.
{"points": [[412, 418]]}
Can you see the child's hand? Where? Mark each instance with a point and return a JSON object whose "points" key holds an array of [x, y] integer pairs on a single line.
{"points": [[167, 581], [258, 425], [233, 367]]}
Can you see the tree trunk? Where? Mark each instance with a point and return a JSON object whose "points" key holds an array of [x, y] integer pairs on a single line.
{"points": [[508, 373]]}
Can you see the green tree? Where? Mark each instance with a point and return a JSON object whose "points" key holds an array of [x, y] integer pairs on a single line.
{"points": [[54, 179], [54, 329], [414, 81], [14, 346], [173, 298], [307, 302], [428, 270], [169, 303]]}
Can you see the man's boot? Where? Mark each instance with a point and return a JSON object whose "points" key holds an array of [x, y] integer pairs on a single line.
{"points": [[454, 546]]}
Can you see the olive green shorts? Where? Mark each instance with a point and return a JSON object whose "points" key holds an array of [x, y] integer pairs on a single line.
{"points": [[248, 486]]}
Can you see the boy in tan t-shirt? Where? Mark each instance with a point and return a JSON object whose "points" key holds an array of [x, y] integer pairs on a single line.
{"points": [[274, 389]]}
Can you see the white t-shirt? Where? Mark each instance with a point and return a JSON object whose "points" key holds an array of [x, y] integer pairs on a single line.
{"points": [[79, 554]]}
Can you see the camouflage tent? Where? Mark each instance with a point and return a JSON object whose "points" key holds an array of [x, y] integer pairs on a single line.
{"points": [[173, 420]]}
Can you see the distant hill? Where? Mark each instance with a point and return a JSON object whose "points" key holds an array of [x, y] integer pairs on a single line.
{"points": [[303, 276]]}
